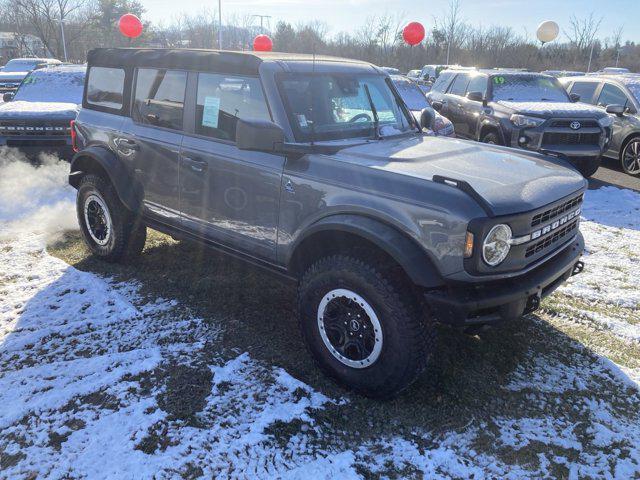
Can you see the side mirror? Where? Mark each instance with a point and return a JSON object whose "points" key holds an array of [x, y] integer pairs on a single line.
{"points": [[574, 97], [7, 97], [437, 106], [259, 135], [427, 118], [475, 96], [616, 109]]}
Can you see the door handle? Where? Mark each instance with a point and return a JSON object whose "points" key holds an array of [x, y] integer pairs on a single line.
{"points": [[198, 166]]}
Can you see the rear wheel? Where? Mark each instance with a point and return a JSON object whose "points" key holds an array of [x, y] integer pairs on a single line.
{"points": [[587, 166], [491, 138], [363, 328], [630, 157], [109, 229]]}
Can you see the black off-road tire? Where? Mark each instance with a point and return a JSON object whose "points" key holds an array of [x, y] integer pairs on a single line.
{"points": [[493, 138], [128, 234], [587, 166], [408, 335]]}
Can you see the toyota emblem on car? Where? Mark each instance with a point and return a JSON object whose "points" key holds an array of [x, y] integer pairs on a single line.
{"points": [[575, 125]]}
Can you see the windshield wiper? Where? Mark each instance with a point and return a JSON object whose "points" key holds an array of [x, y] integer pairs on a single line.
{"points": [[374, 112]]}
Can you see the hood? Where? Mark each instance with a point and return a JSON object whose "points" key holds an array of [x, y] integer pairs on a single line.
{"points": [[511, 181], [38, 110], [553, 109], [12, 76]]}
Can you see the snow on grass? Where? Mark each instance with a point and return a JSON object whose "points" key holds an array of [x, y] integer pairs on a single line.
{"points": [[99, 381]]}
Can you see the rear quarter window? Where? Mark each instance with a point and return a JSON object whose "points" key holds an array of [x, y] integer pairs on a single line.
{"points": [[105, 88], [443, 81]]}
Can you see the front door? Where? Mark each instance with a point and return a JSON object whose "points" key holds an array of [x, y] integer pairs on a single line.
{"points": [[227, 195]]}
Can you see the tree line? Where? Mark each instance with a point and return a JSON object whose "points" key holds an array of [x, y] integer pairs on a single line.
{"points": [[93, 23]]}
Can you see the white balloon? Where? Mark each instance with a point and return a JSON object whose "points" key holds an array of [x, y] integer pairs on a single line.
{"points": [[548, 31]]}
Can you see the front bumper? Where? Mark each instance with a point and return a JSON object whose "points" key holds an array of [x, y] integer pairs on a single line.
{"points": [[565, 141], [33, 145], [492, 302]]}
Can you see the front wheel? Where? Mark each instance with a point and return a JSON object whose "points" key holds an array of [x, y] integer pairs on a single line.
{"points": [[491, 138], [587, 166], [363, 328], [110, 230]]}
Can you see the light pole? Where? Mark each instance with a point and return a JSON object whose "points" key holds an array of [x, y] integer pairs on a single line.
{"points": [[64, 43], [593, 42], [220, 24]]}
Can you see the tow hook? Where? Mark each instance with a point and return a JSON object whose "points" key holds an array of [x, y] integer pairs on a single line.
{"points": [[578, 268]]}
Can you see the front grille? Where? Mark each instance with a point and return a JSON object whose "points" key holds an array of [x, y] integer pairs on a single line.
{"points": [[557, 138], [15, 129], [31, 142], [551, 239], [567, 123], [555, 211]]}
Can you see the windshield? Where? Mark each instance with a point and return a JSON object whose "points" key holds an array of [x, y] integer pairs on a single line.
{"points": [[20, 66], [527, 88], [336, 106], [52, 86], [411, 94], [634, 88]]}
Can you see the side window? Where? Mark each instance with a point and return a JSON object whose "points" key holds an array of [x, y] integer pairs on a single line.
{"points": [[586, 90], [478, 83], [443, 81], [612, 95], [459, 85], [105, 87], [222, 99], [159, 98]]}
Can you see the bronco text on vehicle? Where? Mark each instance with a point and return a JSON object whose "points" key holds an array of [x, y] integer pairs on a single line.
{"points": [[526, 110], [314, 168]]}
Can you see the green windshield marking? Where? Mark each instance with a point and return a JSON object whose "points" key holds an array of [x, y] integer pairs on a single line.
{"points": [[498, 80]]}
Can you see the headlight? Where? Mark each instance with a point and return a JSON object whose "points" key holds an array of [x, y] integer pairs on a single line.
{"points": [[605, 122], [524, 121], [496, 245]]}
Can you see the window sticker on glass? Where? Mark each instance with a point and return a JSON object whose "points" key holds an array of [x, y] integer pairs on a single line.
{"points": [[302, 120], [498, 80], [211, 112]]}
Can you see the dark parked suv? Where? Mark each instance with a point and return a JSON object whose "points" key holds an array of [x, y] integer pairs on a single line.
{"points": [[315, 169], [522, 109]]}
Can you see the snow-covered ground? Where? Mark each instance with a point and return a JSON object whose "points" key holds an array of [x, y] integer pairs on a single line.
{"points": [[98, 380]]}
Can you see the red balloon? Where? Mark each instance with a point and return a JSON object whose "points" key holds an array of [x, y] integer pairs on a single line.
{"points": [[262, 43], [413, 33], [130, 25]]}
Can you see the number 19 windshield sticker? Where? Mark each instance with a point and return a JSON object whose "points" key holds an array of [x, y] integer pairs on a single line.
{"points": [[499, 80]]}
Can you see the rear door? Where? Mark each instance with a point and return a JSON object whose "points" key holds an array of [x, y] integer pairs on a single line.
{"points": [[150, 140], [456, 104], [227, 195]]}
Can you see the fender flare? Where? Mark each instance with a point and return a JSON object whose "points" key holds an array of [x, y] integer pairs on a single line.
{"points": [[415, 261], [121, 177], [490, 125]]}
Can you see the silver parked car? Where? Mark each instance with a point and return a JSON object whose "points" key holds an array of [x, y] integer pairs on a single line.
{"points": [[622, 91]]}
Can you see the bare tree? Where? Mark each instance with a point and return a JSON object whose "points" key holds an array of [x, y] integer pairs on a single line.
{"points": [[453, 27]]}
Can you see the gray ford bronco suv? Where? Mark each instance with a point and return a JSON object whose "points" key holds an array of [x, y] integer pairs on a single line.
{"points": [[314, 168]]}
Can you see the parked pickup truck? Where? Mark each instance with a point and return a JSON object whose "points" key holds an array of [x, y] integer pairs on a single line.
{"points": [[314, 168], [524, 110]]}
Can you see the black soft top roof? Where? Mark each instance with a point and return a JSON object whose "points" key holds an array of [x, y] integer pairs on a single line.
{"points": [[241, 63]]}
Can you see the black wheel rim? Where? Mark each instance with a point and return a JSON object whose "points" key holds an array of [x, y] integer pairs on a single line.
{"points": [[350, 328], [97, 219]]}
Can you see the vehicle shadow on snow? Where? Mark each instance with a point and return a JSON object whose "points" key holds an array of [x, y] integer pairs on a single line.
{"points": [[467, 383]]}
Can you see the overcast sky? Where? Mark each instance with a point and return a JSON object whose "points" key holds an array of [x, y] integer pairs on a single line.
{"points": [[347, 15]]}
